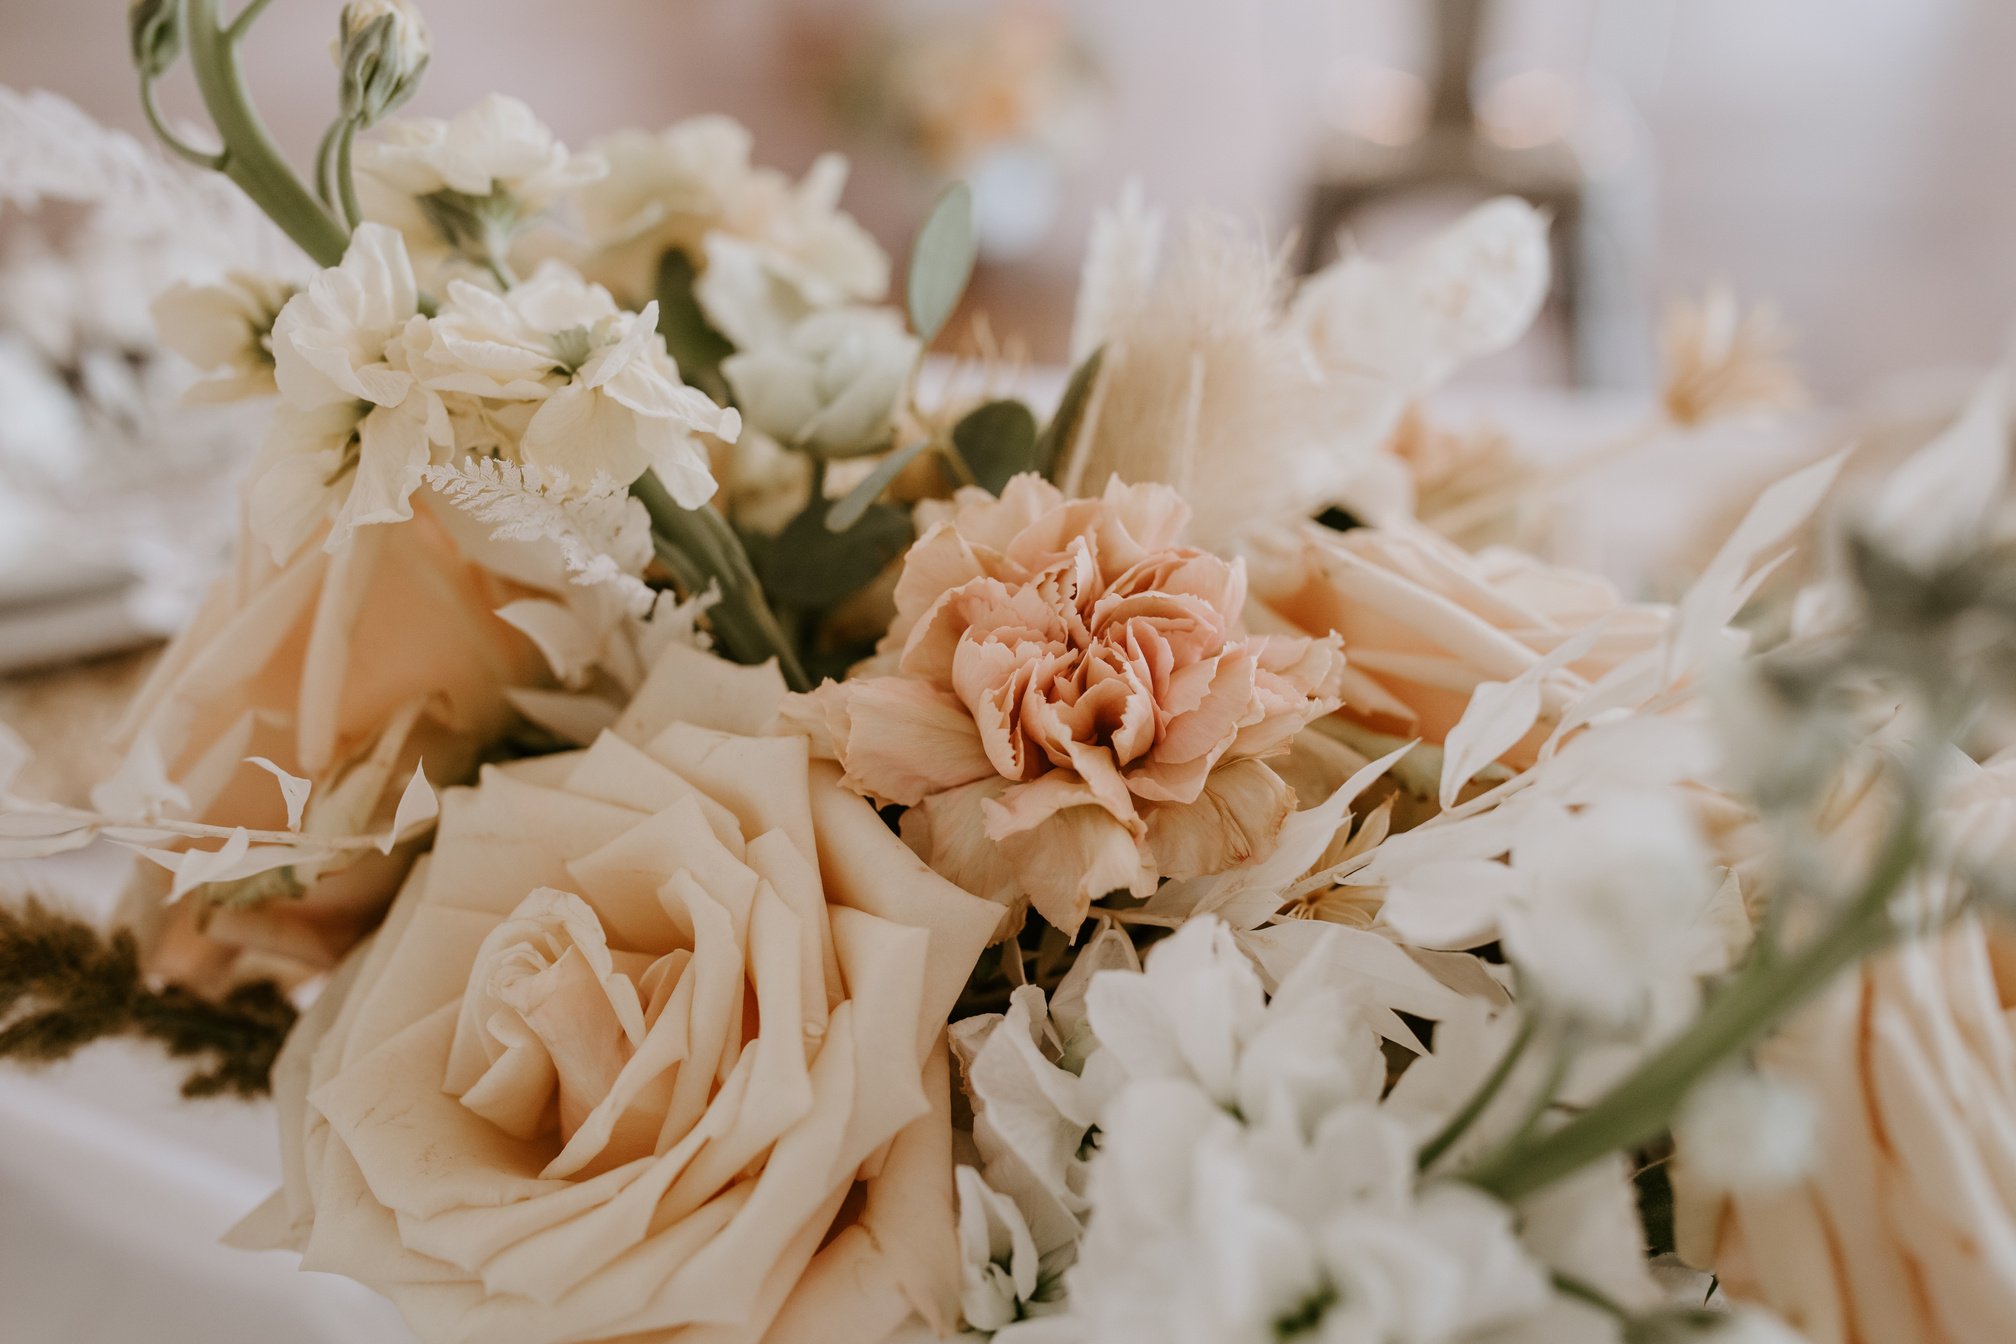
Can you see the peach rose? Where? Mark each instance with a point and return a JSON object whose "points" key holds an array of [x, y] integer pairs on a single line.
{"points": [[1424, 621], [345, 670], [1072, 705], [653, 1039]]}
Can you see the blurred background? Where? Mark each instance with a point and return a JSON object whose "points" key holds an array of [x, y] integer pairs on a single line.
{"points": [[1845, 159]]}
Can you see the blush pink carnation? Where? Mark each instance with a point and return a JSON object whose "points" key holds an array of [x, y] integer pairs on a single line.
{"points": [[1068, 703]]}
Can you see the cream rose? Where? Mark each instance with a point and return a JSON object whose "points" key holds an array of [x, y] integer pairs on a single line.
{"points": [[1425, 622], [653, 1040], [345, 670]]}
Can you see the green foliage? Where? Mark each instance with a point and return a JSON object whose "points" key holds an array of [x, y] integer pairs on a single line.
{"points": [[691, 339], [64, 984], [1053, 450], [997, 442], [811, 569], [941, 262], [849, 510], [700, 550]]}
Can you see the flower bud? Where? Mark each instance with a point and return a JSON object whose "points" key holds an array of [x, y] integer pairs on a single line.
{"points": [[156, 28], [382, 49]]}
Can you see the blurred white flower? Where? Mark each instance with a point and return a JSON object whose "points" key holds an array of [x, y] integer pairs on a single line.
{"points": [[226, 330], [1210, 1232], [1609, 917], [675, 188], [1468, 291], [1743, 1130], [609, 400], [832, 385], [355, 428]]}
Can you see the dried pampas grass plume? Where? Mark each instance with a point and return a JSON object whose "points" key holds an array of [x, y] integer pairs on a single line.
{"points": [[1203, 386]]}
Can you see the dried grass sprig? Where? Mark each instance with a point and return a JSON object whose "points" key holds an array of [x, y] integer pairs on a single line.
{"points": [[65, 984]]}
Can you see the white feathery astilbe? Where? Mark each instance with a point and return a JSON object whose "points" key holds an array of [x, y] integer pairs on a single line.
{"points": [[602, 535]]}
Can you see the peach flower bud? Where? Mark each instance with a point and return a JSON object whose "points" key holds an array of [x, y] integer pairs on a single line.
{"points": [[653, 1039], [1073, 706]]}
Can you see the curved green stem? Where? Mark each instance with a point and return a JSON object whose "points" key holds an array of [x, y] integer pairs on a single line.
{"points": [[1487, 1092], [180, 147], [325, 160], [1637, 1109], [250, 158], [346, 179], [246, 18]]}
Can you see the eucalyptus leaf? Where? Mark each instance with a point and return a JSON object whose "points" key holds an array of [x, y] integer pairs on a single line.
{"points": [[941, 262], [997, 441], [848, 510], [690, 338], [809, 569], [1063, 426]]}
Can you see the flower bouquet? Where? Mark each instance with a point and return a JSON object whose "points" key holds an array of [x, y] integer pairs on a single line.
{"points": [[711, 826]]}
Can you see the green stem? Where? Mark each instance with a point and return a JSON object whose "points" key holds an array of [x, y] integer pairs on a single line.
{"points": [[246, 18], [1459, 1123], [1637, 1109], [250, 158], [325, 159], [346, 179], [181, 148], [698, 546]]}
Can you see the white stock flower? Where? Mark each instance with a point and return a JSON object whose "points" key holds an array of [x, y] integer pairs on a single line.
{"points": [[1610, 918], [608, 398], [674, 189], [355, 429], [1209, 1232], [497, 147], [225, 329], [831, 385], [1002, 1275]]}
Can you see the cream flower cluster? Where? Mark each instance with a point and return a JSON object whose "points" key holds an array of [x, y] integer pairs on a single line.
{"points": [[692, 188], [551, 374]]}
